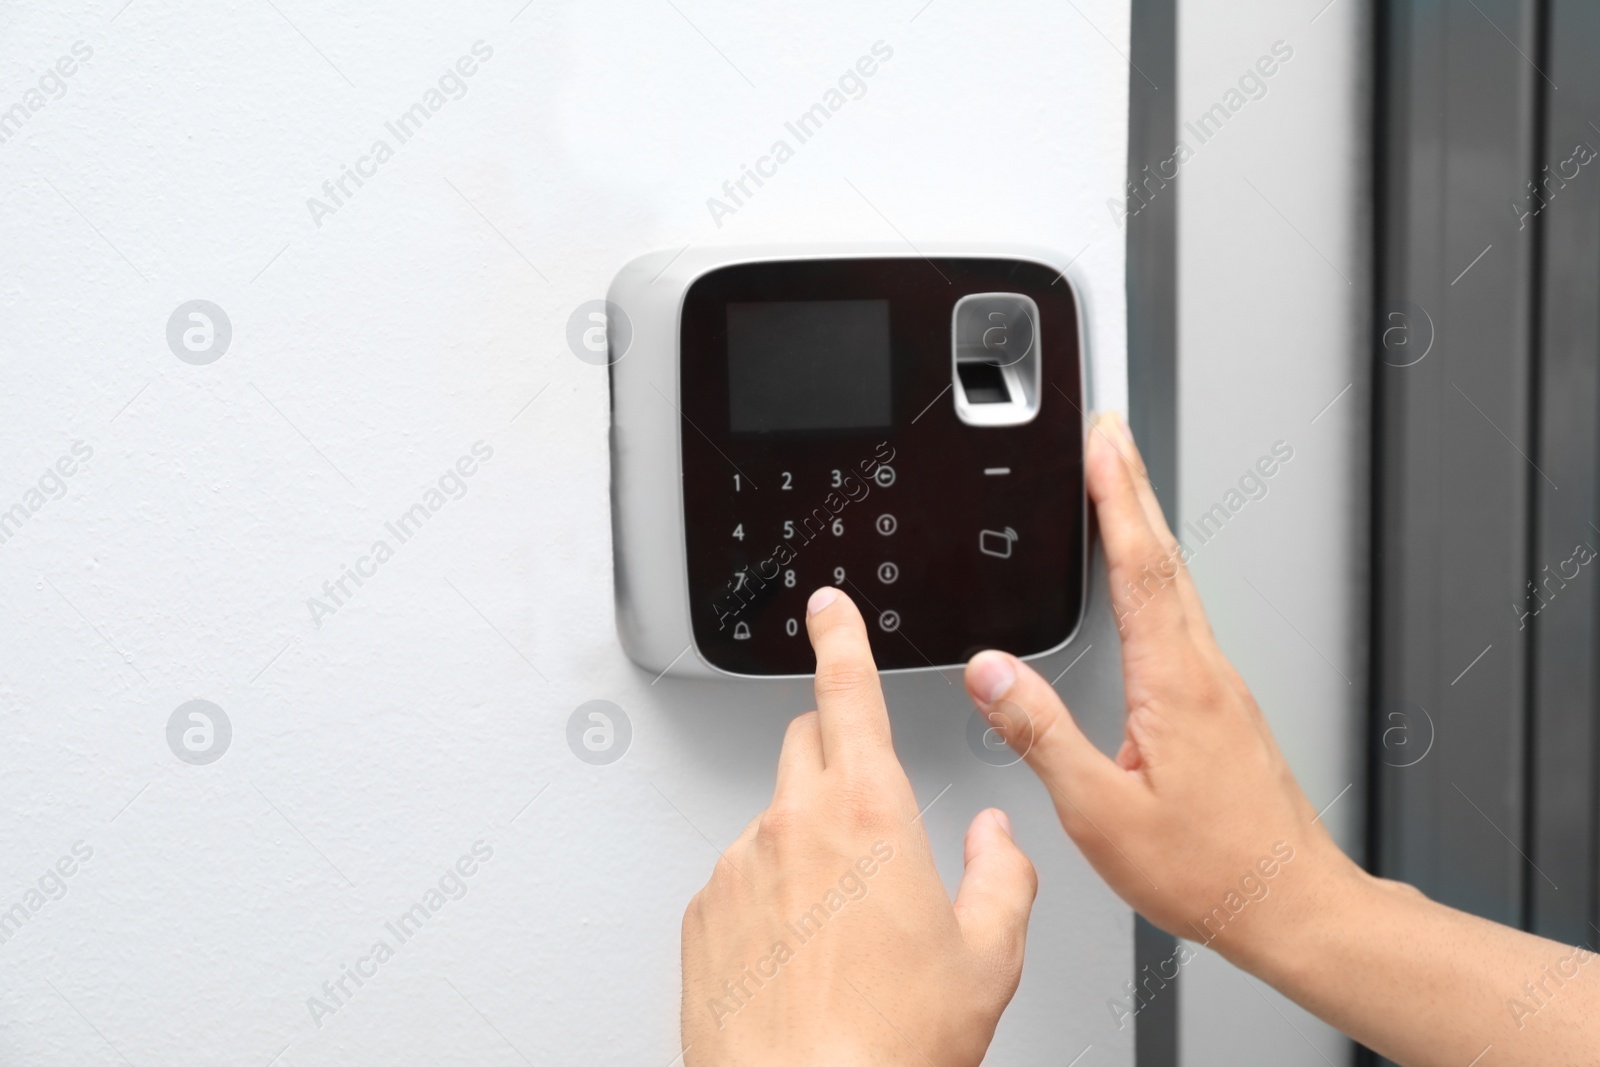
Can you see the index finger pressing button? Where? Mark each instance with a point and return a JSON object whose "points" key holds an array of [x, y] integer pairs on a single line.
{"points": [[851, 713]]}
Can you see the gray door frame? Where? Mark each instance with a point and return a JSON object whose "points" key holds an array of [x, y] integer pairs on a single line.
{"points": [[1152, 291], [1486, 461]]}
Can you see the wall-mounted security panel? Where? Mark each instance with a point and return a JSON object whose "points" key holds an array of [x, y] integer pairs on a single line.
{"points": [[908, 427]]}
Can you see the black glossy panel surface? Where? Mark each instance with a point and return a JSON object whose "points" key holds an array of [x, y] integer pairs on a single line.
{"points": [[944, 554]]}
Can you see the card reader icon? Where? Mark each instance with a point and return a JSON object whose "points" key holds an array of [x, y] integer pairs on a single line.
{"points": [[997, 543]]}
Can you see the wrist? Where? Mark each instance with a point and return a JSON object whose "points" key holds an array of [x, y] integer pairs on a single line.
{"points": [[1319, 898]]}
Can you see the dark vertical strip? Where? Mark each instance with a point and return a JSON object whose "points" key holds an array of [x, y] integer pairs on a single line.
{"points": [[1459, 112], [1563, 828], [1156, 1025], [1382, 103], [1476, 138], [1152, 246], [1454, 126], [1536, 304], [1152, 291], [1452, 477]]}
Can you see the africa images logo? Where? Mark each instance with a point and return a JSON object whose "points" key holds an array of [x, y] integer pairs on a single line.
{"points": [[337, 192]]}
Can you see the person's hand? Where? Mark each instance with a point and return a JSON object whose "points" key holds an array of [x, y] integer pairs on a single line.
{"points": [[825, 934], [1199, 825], [1198, 822]]}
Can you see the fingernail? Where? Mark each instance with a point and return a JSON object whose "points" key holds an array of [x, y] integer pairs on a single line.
{"points": [[992, 676], [1004, 820], [821, 599], [1109, 429]]}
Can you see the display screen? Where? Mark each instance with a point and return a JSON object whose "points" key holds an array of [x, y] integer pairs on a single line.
{"points": [[808, 365]]}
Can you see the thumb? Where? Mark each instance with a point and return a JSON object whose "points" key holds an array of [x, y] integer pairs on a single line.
{"points": [[1024, 708], [995, 897]]}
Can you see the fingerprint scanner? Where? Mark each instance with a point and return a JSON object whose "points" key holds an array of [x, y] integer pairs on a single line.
{"points": [[995, 359], [985, 383]]}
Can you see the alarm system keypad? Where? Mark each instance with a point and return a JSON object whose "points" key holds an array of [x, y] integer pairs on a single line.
{"points": [[851, 468], [786, 532], [837, 528]]}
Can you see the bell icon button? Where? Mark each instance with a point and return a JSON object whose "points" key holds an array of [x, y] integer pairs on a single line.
{"points": [[741, 631]]}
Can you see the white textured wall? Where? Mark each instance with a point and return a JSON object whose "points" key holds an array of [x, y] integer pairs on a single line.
{"points": [[1274, 281], [369, 354]]}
